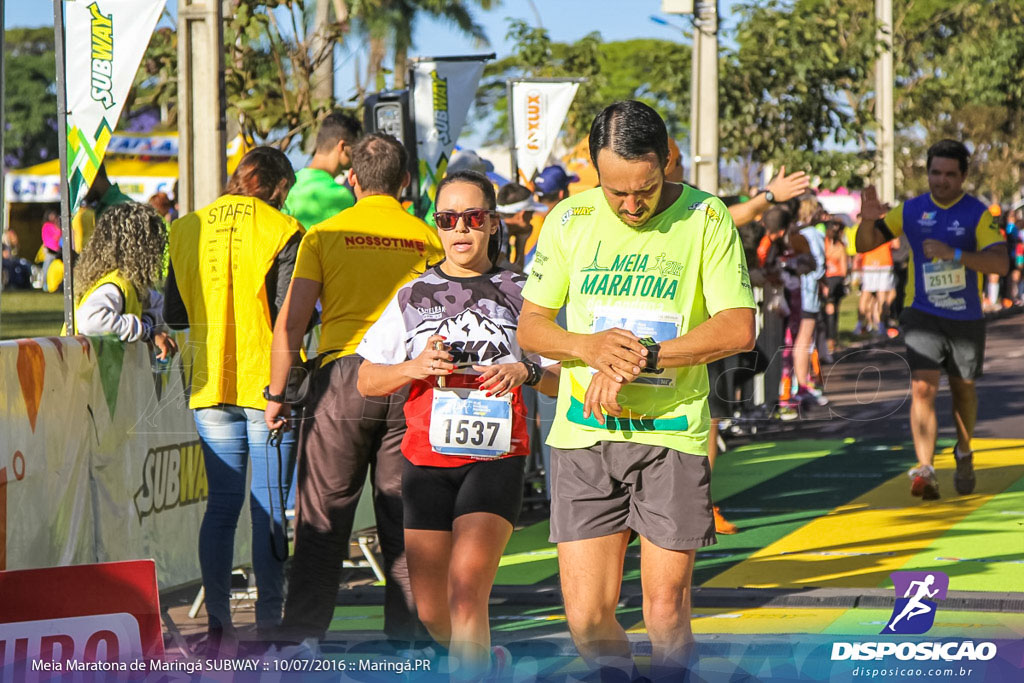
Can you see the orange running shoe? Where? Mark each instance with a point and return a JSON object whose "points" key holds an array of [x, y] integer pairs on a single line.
{"points": [[722, 525]]}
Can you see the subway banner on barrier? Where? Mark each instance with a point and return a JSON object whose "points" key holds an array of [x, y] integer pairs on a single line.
{"points": [[105, 43], [99, 458], [538, 111], [442, 91]]}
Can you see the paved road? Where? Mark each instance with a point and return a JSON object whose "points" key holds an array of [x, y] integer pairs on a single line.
{"points": [[869, 390]]}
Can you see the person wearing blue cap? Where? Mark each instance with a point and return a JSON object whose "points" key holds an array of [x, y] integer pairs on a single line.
{"points": [[552, 185]]}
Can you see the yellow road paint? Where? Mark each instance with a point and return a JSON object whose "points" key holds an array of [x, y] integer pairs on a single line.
{"points": [[857, 545]]}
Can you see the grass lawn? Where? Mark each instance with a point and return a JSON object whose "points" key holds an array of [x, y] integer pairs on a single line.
{"points": [[848, 318], [30, 313]]}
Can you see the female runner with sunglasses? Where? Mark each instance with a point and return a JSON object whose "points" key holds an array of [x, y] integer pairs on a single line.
{"points": [[451, 334]]}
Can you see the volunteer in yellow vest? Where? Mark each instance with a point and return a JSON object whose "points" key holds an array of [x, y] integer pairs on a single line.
{"points": [[353, 263], [231, 263], [655, 285], [116, 273]]}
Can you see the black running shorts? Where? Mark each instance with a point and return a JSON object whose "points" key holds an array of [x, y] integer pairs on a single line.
{"points": [[433, 497]]}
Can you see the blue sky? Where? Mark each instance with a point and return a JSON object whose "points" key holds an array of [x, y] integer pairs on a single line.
{"points": [[565, 20]]}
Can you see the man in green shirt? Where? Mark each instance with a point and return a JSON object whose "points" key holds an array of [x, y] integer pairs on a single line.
{"points": [[316, 196], [654, 281]]}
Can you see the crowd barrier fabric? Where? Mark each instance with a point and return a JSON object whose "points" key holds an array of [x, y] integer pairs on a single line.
{"points": [[99, 458]]}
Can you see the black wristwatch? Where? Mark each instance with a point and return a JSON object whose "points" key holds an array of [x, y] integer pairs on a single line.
{"points": [[653, 348], [768, 194], [276, 398], [534, 373]]}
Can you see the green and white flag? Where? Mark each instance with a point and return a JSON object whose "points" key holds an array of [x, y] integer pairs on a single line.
{"points": [[442, 91], [105, 42]]}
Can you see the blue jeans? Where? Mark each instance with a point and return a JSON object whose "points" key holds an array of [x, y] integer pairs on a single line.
{"points": [[231, 437]]}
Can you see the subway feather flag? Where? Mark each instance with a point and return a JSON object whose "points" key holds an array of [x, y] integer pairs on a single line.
{"points": [[105, 42]]}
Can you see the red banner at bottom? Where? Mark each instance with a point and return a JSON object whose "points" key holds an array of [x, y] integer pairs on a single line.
{"points": [[102, 613]]}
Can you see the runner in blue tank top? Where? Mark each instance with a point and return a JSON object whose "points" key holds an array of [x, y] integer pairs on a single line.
{"points": [[953, 241]]}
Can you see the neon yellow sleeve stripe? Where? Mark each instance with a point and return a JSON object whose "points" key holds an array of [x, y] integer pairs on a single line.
{"points": [[987, 233], [894, 219]]}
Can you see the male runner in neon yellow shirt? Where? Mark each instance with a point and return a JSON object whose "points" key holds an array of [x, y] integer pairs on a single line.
{"points": [[655, 285]]}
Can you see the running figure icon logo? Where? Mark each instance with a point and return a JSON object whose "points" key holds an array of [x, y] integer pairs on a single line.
{"points": [[916, 592]]}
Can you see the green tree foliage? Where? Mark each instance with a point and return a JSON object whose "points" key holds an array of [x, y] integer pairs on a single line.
{"points": [[960, 68], [30, 100], [799, 87], [274, 50], [277, 51], [796, 87], [156, 83]]}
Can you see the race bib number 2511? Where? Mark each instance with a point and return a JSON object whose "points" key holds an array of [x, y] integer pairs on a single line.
{"points": [[943, 276]]}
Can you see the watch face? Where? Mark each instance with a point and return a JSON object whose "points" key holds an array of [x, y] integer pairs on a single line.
{"points": [[770, 196]]}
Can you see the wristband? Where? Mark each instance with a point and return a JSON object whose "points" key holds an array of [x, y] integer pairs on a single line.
{"points": [[884, 228], [276, 398], [957, 255], [534, 373], [652, 354]]}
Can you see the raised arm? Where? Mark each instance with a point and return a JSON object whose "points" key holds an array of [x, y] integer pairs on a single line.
{"points": [[725, 334], [870, 233], [783, 188], [381, 379]]}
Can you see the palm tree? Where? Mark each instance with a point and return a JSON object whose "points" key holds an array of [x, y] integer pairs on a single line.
{"points": [[389, 24]]}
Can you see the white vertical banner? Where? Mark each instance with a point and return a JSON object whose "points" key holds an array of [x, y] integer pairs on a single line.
{"points": [[106, 40], [442, 92], [538, 111]]}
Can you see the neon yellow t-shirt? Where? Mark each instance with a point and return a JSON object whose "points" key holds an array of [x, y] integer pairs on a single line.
{"points": [[661, 280]]}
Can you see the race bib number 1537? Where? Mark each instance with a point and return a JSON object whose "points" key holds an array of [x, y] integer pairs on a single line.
{"points": [[469, 423]]}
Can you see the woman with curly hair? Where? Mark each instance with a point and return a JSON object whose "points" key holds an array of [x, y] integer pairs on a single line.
{"points": [[116, 274], [231, 264]]}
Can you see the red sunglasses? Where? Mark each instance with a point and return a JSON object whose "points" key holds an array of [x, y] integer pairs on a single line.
{"points": [[473, 218]]}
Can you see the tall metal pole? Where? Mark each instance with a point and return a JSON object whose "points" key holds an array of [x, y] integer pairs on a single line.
{"points": [[885, 104], [704, 98], [62, 149], [512, 132], [201, 154]]}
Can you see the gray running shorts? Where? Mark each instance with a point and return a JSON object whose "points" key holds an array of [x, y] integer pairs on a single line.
{"points": [[934, 343], [662, 494]]}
